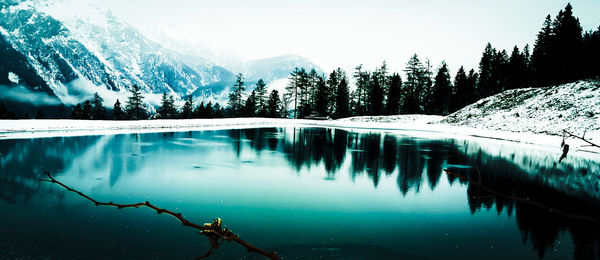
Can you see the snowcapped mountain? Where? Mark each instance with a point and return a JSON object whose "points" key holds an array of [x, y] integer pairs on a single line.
{"points": [[48, 45]]}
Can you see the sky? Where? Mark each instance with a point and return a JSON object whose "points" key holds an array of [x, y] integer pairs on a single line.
{"points": [[346, 33]]}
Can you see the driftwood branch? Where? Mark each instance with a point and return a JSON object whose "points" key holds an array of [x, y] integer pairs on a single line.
{"points": [[581, 138], [214, 231], [525, 200]]}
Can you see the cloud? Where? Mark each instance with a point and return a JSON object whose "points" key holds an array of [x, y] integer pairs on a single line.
{"points": [[23, 94]]}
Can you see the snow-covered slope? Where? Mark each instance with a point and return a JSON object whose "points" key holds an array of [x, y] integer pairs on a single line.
{"points": [[574, 106]]}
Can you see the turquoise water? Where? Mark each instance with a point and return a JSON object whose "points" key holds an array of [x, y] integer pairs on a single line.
{"points": [[305, 192]]}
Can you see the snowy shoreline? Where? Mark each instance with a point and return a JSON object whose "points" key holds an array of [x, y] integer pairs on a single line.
{"points": [[419, 125]]}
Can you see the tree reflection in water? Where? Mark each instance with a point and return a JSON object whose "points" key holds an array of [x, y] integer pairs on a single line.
{"points": [[374, 153]]}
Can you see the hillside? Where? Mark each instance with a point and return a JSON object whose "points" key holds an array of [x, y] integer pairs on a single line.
{"points": [[573, 106]]}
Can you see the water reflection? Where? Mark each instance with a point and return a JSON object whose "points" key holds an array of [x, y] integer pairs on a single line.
{"points": [[414, 163]]}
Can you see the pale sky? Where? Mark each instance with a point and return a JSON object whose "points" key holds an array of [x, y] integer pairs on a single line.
{"points": [[346, 33]]}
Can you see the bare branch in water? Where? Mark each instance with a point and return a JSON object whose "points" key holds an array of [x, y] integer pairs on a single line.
{"points": [[525, 200], [214, 231]]}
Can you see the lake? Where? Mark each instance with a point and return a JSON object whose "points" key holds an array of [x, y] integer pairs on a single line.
{"points": [[319, 193]]}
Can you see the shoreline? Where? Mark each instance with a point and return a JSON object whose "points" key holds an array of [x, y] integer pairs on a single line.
{"points": [[418, 125]]}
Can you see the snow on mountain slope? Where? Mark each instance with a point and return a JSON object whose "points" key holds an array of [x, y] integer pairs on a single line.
{"points": [[51, 44], [130, 53], [573, 106], [51, 53]]}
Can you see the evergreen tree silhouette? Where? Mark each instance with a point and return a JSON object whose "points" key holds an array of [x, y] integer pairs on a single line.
{"points": [[376, 95], [323, 94], [236, 98], [261, 97], [167, 108], [460, 97], [98, 110], [541, 59], [293, 90], [135, 108], [118, 113], [485, 85], [209, 111], [591, 53], [567, 46], [441, 91], [342, 99], [394, 94], [250, 106], [274, 104], [86, 110], [187, 111]]}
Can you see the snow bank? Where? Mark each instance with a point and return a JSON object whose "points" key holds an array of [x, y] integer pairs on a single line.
{"points": [[574, 107]]}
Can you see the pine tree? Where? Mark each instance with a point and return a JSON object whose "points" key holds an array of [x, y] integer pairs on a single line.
{"points": [[219, 113], [591, 54], [332, 84], [322, 97], [376, 94], [362, 84], [471, 93], [250, 106], [293, 90], [236, 97], [86, 111], [342, 99], [200, 111], [568, 46], [442, 91], [167, 108], [394, 95], [187, 111], [261, 97], [486, 81], [273, 104], [518, 69], [209, 111], [77, 112], [303, 83], [499, 72], [541, 58], [135, 108], [118, 113], [313, 79], [460, 97], [413, 85], [98, 110]]}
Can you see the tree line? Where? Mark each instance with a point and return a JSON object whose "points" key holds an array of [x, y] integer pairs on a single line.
{"points": [[562, 53], [136, 109]]}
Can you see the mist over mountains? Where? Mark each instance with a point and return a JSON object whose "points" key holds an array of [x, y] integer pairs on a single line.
{"points": [[65, 52]]}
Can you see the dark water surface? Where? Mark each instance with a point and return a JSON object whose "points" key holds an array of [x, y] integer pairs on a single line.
{"points": [[308, 193]]}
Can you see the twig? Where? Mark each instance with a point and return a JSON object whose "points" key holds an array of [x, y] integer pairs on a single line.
{"points": [[581, 138], [213, 231], [525, 200]]}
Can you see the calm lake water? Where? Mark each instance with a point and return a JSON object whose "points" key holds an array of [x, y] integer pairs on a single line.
{"points": [[308, 193]]}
